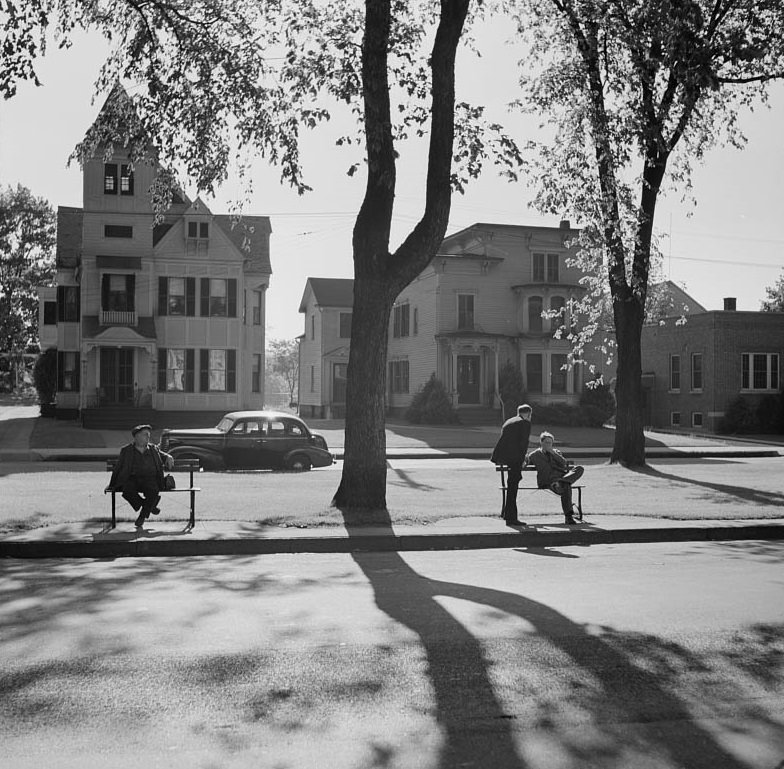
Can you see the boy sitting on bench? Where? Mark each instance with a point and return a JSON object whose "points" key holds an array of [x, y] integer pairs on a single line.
{"points": [[553, 473]]}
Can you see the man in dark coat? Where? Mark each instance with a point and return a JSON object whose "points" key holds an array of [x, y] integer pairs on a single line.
{"points": [[511, 450], [139, 470], [552, 472]]}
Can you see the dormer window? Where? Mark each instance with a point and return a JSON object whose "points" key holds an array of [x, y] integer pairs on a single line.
{"points": [[200, 230], [117, 178]]}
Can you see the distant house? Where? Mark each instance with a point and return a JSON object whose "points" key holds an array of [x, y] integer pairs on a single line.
{"points": [[477, 306], [154, 323], [323, 348], [692, 371]]}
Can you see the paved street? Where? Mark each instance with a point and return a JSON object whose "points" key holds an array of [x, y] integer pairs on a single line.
{"points": [[657, 656]]}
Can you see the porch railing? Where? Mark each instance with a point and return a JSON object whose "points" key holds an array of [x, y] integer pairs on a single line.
{"points": [[117, 318]]}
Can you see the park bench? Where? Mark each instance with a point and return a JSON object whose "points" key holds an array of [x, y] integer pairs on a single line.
{"points": [[190, 466], [529, 468]]}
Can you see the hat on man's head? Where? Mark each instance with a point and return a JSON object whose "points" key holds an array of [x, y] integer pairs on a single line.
{"points": [[139, 428]]}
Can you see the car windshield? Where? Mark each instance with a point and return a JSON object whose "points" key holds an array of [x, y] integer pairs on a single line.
{"points": [[224, 425]]}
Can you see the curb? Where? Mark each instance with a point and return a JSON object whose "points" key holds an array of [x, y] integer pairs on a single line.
{"points": [[141, 548]]}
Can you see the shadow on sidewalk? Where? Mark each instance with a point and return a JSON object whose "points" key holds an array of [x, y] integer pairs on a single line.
{"points": [[633, 686], [756, 496]]}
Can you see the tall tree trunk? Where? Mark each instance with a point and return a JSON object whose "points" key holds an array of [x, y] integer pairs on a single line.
{"points": [[378, 275], [629, 446]]}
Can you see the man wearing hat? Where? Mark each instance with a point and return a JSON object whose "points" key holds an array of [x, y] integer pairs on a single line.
{"points": [[139, 471]]}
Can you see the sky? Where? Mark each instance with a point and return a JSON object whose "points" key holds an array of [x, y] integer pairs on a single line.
{"points": [[730, 244]]}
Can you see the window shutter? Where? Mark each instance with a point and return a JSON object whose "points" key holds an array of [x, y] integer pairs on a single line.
{"points": [[204, 371], [232, 297], [60, 303], [76, 372], [104, 292], [205, 298], [190, 296], [231, 371], [78, 304], [163, 296], [162, 355], [190, 369], [60, 370], [130, 289]]}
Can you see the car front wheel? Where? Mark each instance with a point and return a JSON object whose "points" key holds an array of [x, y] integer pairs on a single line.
{"points": [[299, 463]]}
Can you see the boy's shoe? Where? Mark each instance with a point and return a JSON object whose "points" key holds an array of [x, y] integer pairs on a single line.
{"points": [[155, 510], [569, 521]]}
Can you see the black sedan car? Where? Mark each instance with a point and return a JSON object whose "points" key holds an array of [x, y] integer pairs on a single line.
{"points": [[251, 439]]}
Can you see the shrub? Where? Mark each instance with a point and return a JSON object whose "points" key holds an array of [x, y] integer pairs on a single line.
{"points": [[769, 414], [511, 389], [432, 405], [739, 417], [45, 376], [600, 400]]}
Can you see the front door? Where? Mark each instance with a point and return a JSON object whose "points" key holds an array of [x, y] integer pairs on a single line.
{"points": [[468, 379], [116, 376]]}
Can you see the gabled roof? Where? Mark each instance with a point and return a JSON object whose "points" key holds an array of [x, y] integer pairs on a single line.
{"points": [[329, 292], [250, 232], [69, 236]]}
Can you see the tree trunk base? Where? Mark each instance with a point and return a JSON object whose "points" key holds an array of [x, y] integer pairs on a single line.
{"points": [[362, 488]]}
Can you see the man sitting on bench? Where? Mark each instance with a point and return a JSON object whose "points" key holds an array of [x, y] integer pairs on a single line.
{"points": [[553, 473], [139, 470]]}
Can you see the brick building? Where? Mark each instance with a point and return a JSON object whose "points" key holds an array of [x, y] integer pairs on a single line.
{"points": [[693, 370]]}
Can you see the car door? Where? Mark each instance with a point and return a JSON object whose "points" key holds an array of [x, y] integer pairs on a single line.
{"points": [[245, 443], [279, 441]]}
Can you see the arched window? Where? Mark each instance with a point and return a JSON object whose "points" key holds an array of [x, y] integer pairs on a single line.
{"points": [[535, 314], [557, 304]]}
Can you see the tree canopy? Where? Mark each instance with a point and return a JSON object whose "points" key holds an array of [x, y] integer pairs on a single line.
{"points": [[633, 92], [774, 301], [27, 241]]}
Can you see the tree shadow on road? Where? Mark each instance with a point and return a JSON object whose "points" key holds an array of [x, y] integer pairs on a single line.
{"points": [[633, 693], [755, 496]]}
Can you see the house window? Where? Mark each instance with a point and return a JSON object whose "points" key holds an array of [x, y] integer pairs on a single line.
{"points": [[117, 231], [675, 372], [538, 273], [533, 371], [110, 179], [552, 268], [558, 373], [416, 321], [400, 315], [675, 418], [118, 293], [50, 313], [465, 312], [313, 379], [68, 371], [177, 296], [696, 419], [339, 373], [759, 371], [557, 305], [126, 180], [255, 377], [535, 314], [696, 371], [199, 230], [257, 308], [218, 371], [68, 304], [398, 376], [219, 297], [176, 370], [204, 229], [345, 325], [313, 326]]}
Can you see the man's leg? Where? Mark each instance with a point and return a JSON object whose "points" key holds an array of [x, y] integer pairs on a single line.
{"points": [[151, 496], [512, 484], [130, 494], [574, 474], [564, 490]]}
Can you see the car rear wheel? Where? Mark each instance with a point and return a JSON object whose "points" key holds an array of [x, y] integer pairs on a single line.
{"points": [[299, 463]]}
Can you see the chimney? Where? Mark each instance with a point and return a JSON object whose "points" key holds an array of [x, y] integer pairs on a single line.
{"points": [[565, 224], [730, 304]]}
